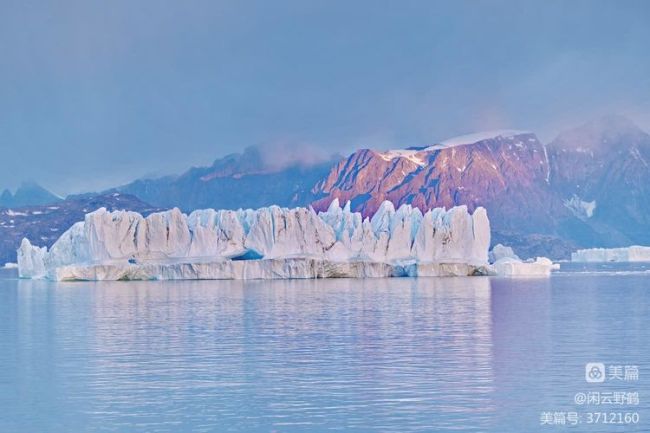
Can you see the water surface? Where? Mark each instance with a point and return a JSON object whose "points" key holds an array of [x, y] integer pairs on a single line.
{"points": [[431, 354]]}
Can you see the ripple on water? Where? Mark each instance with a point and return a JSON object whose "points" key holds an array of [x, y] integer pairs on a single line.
{"points": [[408, 355]]}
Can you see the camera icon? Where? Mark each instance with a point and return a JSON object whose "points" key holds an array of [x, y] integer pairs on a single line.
{"points": [[595, 372]]}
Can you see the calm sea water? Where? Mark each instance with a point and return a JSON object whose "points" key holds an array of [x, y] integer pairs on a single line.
{"points": [[396, 355]]}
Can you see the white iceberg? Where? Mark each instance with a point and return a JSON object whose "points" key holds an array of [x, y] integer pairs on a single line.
{"points": [[505, 263], [31, 260], [500, 251], [267, 243], [634, 253], [512, 267]]}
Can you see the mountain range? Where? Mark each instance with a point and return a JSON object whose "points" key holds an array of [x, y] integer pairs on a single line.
{"points": [[239, 180], [588, 187], [28, 193], [601, 172]]}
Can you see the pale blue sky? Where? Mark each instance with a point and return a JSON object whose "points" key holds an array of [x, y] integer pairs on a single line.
{"points": [[95, 93]]}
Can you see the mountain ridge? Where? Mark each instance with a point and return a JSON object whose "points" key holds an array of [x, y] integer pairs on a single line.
{"points": [[28, 193], [234, 181], [588, 187]]}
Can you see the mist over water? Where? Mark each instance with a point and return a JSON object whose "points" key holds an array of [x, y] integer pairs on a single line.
{"points": [[462, 354]]}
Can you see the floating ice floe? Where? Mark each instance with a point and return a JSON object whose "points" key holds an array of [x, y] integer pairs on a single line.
{"points": [[510, 267], [267, 243], [506, 263], [633, 253]]}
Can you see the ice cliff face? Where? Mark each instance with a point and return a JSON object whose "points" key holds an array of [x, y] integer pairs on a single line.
{"points": [[337, 235]]}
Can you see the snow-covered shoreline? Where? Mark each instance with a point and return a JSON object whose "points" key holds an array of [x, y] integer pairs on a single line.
{"points": [[266, 243]]}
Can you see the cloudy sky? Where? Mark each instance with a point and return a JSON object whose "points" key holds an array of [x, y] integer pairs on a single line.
{"points": [[96, 93]]}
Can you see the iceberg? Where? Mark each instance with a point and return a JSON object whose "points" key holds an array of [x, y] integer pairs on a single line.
{"points": [[266, 243], [511, 267], [31, 260], [500, 251], [505, 263], [633, 253]]}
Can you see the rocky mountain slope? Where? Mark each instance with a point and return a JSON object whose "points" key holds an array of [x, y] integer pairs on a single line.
{"points": [[507, 172], [589, 187], [601, 171], [245, 180]]}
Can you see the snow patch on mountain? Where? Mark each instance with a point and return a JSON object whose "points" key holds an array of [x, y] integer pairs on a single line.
{"points": [[548, 165], [637, 155], [11, 212], [414, 156], [477, 137], [417, 155], [580, 208]]}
